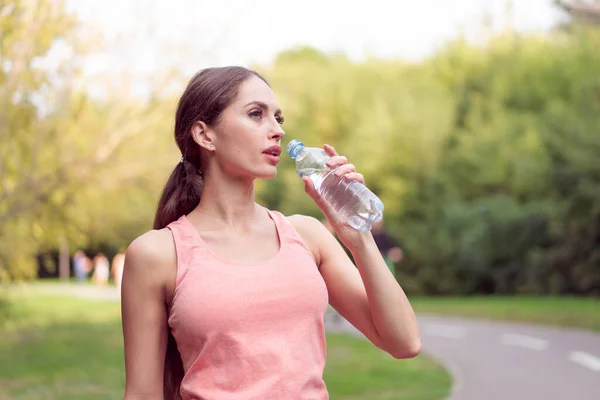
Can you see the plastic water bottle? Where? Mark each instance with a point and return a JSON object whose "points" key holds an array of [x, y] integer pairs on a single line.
{"points": [[352, 200]]}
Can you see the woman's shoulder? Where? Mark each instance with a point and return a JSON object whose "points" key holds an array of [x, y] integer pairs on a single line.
{"points": [[152, 252], [311, 230], [304, 222]]}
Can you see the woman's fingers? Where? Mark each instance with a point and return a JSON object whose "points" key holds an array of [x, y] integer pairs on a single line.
{"points": [[355, 176], [344, 169], [336, 161], [330, 150]]}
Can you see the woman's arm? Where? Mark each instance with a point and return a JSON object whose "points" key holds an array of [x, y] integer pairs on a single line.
{"points": [[367, 294], [149, 263], [390, 309]]}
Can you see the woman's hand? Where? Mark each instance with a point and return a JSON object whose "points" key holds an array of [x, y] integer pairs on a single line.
{"points": [[351, 237]]}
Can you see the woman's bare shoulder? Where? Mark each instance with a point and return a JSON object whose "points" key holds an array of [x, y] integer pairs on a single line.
{"points": [[306, 225], [312, 231], [152, 253]]}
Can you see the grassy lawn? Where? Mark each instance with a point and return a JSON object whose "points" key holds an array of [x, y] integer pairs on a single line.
{"points": [[71, 349], [357, 371], [559, 311]]}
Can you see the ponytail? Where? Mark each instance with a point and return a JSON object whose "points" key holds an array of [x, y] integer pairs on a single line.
{"points": [[180, 196], [173, 374]]}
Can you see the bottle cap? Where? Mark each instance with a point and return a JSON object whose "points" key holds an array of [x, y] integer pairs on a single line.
{"points": [[294, 148]]}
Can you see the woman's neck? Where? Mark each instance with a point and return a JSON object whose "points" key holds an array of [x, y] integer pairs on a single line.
{"points": [[227, 202]]}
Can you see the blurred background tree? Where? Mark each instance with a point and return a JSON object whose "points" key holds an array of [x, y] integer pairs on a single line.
{"points": [[587, 12], [76, 169], [486, 156]]}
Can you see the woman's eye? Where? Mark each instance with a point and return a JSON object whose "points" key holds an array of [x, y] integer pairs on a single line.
{"points": [[255, 114], [280, 120]]}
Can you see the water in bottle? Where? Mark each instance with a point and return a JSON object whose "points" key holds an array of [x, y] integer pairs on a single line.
{"points": [[352, 200]]}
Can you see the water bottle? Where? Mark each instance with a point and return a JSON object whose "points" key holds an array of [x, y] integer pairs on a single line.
{"points": [[352, 200]]}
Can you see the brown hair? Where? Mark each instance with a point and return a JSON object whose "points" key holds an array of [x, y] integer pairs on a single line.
{"points": [[207, 94]]}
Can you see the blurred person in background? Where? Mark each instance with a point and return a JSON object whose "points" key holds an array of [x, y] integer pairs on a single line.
{"points": [[82, 266], [388, 246], [101, 270], [225, 298]]}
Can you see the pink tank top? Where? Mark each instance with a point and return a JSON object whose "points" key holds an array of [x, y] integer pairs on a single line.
{"points": [[249, 331]]}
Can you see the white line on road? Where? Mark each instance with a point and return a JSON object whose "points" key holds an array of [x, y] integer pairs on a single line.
{"points": [[585, 359], [528, 342], [445, 331]]}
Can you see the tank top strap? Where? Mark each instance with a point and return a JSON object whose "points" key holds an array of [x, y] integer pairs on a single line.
{"points": [[287, 233], [185, 241]]}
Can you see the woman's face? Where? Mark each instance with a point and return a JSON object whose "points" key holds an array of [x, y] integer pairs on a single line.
{"points": [[247, 138]]}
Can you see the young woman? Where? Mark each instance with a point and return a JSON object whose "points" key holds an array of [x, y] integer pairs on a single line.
{"points": [[225, 299]]}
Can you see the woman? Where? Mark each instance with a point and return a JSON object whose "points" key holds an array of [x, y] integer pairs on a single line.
{"points": [[82, 266], [101, 270], [225, 299]]}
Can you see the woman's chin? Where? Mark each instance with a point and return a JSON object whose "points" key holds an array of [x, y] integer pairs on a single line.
{"points": [[267, 175]]}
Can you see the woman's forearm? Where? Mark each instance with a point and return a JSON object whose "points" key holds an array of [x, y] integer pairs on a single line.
{"points": [[391, 312]]}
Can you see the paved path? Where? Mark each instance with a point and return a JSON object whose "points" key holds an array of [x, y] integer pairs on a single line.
{"points": [[506, 361], [488, 360], [82, 290]]}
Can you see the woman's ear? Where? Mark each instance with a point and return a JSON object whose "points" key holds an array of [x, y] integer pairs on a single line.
{"points": [[203, 135]]}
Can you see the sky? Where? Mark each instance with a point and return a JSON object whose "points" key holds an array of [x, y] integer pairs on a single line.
{"points": [[143, 36], [243, 32]]}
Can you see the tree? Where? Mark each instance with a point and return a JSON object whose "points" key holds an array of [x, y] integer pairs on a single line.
{"points": [[581, 11], [33, 91], [65, 156]]}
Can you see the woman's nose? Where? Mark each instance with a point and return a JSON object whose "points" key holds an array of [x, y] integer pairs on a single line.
{"points": [[277, 132]]}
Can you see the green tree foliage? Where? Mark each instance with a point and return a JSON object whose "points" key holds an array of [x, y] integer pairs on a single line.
{"points": [[581, 11], [31, 95], [73, 166], [486, 157]]}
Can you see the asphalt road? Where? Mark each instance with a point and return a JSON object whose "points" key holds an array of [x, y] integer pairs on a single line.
{"points": [[506, 361], [488, 360]]}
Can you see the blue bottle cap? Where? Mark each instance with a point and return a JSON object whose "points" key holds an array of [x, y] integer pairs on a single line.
{"points": [[294, 148]]}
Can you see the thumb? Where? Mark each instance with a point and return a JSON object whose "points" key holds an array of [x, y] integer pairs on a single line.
{"points": [[309, 187]]}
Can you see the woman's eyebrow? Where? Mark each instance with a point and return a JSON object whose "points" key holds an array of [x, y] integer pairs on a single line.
{"points": [[262, 105]]}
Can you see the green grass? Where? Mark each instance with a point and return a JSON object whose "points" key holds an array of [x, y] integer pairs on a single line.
{"points": [[68, 348], [558, 311], [357, 371], [61, 348]]}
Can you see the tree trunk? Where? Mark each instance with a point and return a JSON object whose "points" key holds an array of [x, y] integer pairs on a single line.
{"points": [[63, 260]]}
